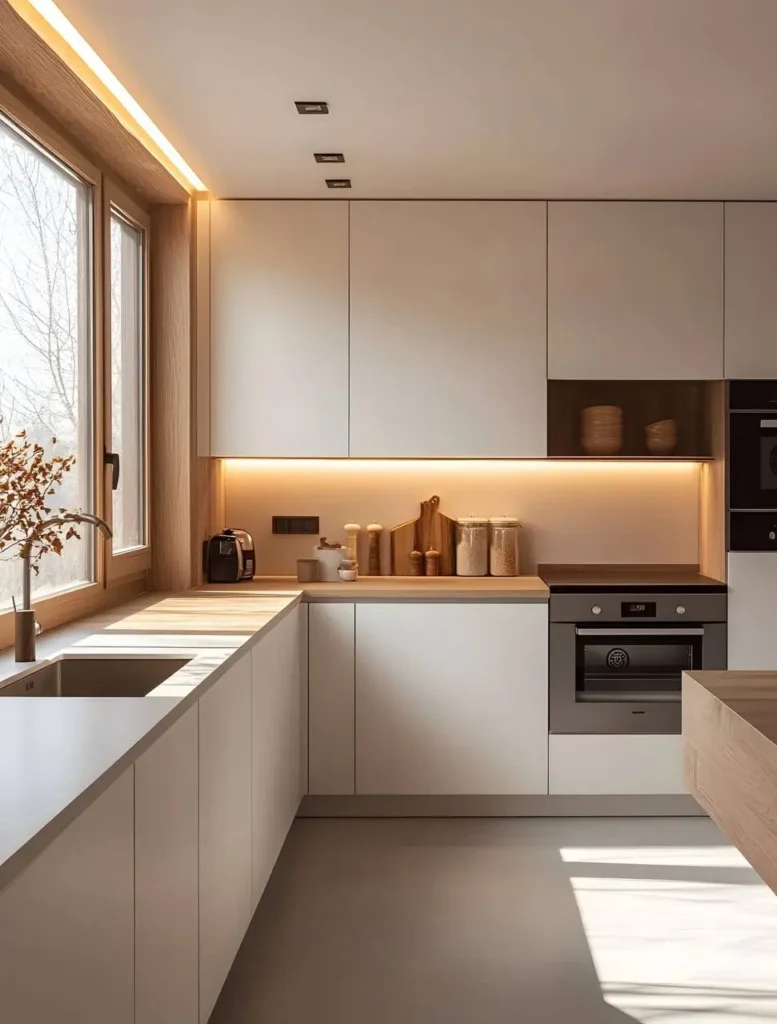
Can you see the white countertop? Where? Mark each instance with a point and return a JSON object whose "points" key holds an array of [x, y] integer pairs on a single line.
{"points": [[58, 754]]}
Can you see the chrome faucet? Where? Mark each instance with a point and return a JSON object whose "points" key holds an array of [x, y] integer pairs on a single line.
{"points": [[26, 627]]}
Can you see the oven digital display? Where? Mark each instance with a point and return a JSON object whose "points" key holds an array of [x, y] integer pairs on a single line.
{"points": [[638, 609]]}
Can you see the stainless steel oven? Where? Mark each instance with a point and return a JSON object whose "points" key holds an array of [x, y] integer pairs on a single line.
{"points": [[616, 659]]}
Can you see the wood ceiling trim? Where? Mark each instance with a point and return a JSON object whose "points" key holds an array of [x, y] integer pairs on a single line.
{"points": [[29, 65]]}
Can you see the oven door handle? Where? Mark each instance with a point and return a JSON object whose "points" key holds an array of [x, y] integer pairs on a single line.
{"points": [[690, 631]]}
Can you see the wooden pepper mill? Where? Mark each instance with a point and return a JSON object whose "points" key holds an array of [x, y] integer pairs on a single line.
{"points": [[373, 561], [432, 562], [416, 563]]}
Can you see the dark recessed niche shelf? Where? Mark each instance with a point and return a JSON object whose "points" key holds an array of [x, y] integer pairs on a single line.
{"points": [[689, 402]]}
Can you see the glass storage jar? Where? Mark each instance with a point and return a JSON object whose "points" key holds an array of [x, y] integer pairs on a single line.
{"points": [[472, 547], [503, 547]]}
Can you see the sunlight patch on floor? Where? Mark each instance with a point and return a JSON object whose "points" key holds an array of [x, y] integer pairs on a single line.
{"points": [[674, 948], [670, 856]]}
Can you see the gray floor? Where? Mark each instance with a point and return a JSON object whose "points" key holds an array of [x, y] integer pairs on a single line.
{"points": [[509, 921]]}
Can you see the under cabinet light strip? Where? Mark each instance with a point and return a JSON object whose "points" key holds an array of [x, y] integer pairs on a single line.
{"points": [[54, 17]]}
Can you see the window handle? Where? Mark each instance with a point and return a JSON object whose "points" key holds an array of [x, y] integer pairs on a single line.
{"points": [[112, 459]]}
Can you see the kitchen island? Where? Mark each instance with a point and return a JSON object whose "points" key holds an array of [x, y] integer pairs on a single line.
{"points": [[730, 758]]}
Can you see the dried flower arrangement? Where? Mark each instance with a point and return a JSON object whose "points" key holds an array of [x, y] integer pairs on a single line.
{"points": [[28, 523]]}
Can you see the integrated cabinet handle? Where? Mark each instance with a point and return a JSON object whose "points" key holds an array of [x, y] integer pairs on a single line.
{"points": [[768, 424]]}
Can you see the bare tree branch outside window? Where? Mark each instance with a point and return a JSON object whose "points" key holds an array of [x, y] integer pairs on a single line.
{"points": [[45, 332]]}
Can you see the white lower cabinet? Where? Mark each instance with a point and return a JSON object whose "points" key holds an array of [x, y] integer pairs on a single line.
{"points": [[331, 699], [615, 765], [752, 586], [166, 878], [67, 923], [225, 826], [276, 782], [451, 698]]}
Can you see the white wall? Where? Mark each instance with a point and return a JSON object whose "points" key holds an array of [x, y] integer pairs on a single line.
{"points": [[571, 511]]}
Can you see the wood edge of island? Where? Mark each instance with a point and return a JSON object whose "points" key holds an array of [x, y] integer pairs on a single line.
{"points": [[730, 768]]}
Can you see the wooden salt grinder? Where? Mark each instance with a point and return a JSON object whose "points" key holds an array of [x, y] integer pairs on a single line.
{"points": [[416, 563], [432, 562], [373, 562]]}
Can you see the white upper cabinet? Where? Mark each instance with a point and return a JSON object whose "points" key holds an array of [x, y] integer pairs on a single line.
{"points": [[635, 290], [751, 296], [279, 328], [448, 353]]}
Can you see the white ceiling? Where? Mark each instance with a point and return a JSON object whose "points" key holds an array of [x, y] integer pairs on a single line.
{"points": [[457, 98]]}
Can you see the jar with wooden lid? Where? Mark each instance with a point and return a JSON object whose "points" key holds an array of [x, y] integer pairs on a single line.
{"points": [[472, 547], [503, 556]]}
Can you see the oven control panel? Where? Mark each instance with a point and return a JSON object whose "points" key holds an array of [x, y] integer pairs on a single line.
{"points": [[636, 608]]}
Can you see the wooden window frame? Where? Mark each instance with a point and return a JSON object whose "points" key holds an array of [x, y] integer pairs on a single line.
{"points": [[129, 563], [117, 579]]}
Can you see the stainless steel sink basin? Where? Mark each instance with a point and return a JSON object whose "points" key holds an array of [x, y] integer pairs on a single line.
{"points": [[94, 677]]}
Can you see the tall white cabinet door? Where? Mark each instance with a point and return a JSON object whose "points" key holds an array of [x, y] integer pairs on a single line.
{"points": [[67, 925], [452, 698], [448, 353], [279, 328], [166, 878], [331, 699], [276, 707], [225, 827], [751, 297], [635, 290], [752, 586]]}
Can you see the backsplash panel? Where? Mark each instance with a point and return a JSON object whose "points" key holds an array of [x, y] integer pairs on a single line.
{"points": [[570, 511]]}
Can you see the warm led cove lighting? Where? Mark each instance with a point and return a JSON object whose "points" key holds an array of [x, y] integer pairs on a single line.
{"points": [[49, 11], [452, 467]]}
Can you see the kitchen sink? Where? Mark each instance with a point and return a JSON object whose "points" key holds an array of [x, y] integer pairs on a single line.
{"points": [[94, 677]]}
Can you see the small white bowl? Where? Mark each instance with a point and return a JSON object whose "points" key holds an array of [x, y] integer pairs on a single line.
{"points": [[347, 575]]}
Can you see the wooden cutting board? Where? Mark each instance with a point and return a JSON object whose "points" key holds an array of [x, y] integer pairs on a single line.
{"points": [[431, 529]]}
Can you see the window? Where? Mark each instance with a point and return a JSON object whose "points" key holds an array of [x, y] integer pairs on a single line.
{"points": [[128, 375], [46, 335], [74, 356]]}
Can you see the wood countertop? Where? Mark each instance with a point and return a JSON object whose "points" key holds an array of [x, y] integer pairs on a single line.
{"points": [[730, 758], [396, 588]]}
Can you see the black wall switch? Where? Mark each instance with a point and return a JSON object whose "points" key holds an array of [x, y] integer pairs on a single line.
{"points": [[295, 524]]}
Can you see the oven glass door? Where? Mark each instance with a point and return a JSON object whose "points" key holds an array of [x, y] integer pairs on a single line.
{"points": [[753, 462], [617, 665]]}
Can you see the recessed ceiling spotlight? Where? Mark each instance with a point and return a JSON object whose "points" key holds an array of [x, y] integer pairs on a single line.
{"points": [[338, 182], [311, 107], [329, 158]]}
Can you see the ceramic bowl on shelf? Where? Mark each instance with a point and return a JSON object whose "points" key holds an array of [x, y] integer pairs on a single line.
{"points": [[601, 429], [661, 437], [347, 575]]}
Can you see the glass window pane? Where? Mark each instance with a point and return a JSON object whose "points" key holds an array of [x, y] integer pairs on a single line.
{"points": [[46, 337], [127, 383]]}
